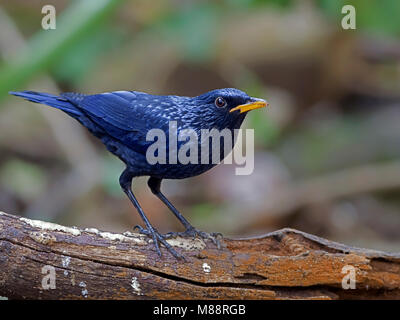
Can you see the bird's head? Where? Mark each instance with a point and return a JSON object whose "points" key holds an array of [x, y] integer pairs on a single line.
{"points": [[227, 107]]}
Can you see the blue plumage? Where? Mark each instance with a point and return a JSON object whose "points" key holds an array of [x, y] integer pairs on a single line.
{"points": [[122, 119], [49, 99]]}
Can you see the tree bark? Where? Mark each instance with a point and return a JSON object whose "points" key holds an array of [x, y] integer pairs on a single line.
{"points": [[91, 264]]}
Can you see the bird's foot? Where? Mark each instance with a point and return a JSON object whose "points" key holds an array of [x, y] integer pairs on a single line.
{"points": [[193, 232], [159, 238]]}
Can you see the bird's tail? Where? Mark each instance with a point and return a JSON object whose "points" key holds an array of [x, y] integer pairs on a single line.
{"points": [[50, 100]]}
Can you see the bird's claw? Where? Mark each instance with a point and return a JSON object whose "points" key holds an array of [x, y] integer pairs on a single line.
{"points": [[142, 230], [159, 238], [193, 232]]}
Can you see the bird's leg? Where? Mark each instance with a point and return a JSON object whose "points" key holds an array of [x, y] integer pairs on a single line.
{"points": [[125, 181], [155, 187]]}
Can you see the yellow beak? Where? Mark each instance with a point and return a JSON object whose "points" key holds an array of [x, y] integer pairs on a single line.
{"points": [[252, 105]]}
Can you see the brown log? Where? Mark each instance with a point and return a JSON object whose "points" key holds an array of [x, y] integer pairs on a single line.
{"points": [[91, 264]]}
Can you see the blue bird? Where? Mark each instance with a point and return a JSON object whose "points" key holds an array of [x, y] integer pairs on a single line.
{"points": [[122, 121]]}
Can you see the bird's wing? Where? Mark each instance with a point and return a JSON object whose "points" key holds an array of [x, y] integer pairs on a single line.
{"points": [[125, 115]]}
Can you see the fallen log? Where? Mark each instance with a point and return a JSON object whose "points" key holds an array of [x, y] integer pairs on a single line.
{"points": [[42, 260]]}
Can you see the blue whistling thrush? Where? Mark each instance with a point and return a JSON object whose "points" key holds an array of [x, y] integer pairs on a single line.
{"points": [[122, 119]]}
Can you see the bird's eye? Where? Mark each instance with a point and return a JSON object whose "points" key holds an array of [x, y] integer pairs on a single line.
{"points": [[220, 102]]}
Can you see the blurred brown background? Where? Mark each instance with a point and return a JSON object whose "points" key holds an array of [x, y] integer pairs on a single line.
{"points": [[327, 150]]}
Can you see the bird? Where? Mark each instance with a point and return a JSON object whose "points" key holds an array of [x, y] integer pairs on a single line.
{"points": [[122, 121]]}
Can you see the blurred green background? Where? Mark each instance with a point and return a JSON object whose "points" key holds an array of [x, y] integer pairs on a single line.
{"points": [[327, 150]]}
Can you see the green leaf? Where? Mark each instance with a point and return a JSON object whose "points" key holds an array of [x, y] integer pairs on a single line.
{"points": [[47, 45], [25, 179], [112, 169]]}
